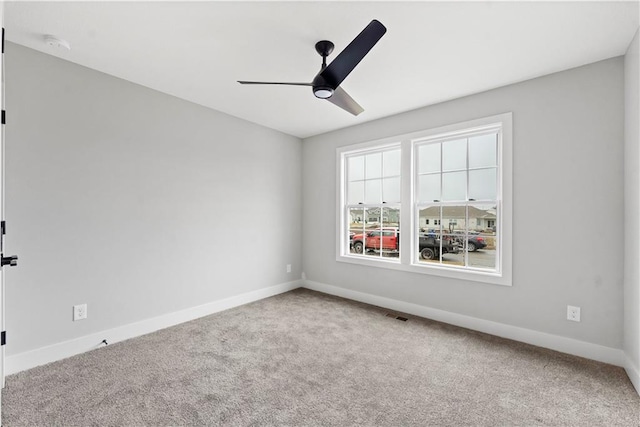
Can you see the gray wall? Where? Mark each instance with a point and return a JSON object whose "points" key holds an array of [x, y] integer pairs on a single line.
{"points": [[139, 204], [135, 202], [568, 207], [632, 205]]}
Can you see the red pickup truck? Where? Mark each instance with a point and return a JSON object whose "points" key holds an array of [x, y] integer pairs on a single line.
{"points": [[386, 239]]}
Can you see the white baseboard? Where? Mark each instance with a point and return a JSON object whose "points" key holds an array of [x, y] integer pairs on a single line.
{"points": [[30, 359], [587, 350], [633, 372]]}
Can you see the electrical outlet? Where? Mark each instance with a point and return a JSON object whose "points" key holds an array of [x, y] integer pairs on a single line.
{"points": [[79, 312], [288, 268], [573, 313]]}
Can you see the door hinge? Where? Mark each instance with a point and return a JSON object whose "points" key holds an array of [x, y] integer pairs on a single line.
{"points": [[4, 117], [3, 227], [2, 39], [3, 337]]}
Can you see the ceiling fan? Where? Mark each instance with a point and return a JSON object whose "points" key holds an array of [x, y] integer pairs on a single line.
{"points": [[326, 84]]}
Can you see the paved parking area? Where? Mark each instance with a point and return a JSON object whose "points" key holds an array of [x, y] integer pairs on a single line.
{"points": [[481, 258]]}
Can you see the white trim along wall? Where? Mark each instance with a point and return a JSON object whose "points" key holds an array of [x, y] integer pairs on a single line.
{"points": [[587, 350], [40, 356], [30, 359]]}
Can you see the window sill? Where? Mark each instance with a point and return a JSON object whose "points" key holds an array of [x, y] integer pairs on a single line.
{"points": [[432, 270]]}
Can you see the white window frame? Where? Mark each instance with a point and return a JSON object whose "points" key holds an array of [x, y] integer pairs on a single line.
{"points": [[408, 219], [343, 214]]}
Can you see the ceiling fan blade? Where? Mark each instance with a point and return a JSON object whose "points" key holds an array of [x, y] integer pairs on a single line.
{"points": [[244, 82], [351, 56], [342, 99]]}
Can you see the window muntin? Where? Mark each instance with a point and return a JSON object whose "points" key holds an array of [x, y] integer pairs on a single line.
{"points": [[373, 194], [457, 192]]}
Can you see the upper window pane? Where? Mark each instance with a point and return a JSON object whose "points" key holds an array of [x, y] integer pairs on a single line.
{"points": [[374, 177], [454, 186], [373, 191], [429, 187], [391, 190], [429, 158], [482, 151], [373, 165], [355, 192], [391, 163], [482, 184], [454, 155], [355, 168]]}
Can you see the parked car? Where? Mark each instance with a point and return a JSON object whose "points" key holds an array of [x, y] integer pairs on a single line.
{"points": [[474, 242]]}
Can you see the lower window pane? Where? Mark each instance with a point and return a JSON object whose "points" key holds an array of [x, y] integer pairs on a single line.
{"points": [[428, 247], [377, 235], [371, 238], [458, 236], [390, 246], [429, 230], [482, 243], [482, 249], [453, 226], [356, 227]]}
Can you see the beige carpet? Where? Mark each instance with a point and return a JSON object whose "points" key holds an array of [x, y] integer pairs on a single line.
{"points": [[305, 358]]}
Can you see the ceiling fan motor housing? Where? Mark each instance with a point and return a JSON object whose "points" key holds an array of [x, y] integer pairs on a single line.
{"points": [[321, 89]]}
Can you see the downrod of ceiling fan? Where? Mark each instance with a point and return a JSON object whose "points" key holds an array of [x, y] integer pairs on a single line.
{"points": [[320, 88], [324, 49]]}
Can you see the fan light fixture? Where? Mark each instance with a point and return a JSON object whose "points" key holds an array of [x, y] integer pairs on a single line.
{"points": [[323, 92]]}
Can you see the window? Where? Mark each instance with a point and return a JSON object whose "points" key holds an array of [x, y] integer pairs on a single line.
{"points": [[372, 188], [456, 181], [446, 191]]}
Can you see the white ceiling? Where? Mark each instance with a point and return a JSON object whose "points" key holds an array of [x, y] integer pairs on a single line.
{"points": [[433, 51]]}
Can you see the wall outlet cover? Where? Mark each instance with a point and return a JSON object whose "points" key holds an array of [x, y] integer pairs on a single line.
{"points": [[79, 312], [573, 313]]}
